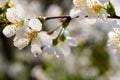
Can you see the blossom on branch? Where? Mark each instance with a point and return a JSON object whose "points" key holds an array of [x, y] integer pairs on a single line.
{"points": [[88, 8]]}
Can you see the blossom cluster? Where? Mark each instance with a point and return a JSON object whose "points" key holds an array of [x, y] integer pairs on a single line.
{"points": [[89, 8], [90, 24], [29, 31], [100, 10]]}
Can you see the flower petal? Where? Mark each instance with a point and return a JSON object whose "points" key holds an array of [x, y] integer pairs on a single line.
{"points": [[74, 13], [54, 51], [36, 49], [71, 41], [45, 38], [12, 15], [35, 24], [9, 30], [20, 43]]}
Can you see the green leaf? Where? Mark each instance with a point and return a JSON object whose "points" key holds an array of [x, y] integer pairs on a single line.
{"points": [[110, 9]]}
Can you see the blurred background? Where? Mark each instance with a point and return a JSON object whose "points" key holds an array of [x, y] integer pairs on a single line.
{"points": [[89, 60]]}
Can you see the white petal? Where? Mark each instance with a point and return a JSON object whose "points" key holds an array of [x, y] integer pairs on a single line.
{"points": [[53, 51], [22, 32], [20, 43], [12, 15], [36, 49], [71, 41], [48, 49], [45, 38], [87, 12], [35, 24], [66, 33], [74, 13], [9, 30], [64, 48], [20, 11]]}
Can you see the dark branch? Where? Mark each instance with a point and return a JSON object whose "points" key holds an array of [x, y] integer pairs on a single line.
{"points": [[68, 17], [56, 17], [114, 17]]}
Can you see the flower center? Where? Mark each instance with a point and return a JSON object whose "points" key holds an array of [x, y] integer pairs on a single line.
{"points": [[95, 5], [32, 34], [19, 23], [78, 3]]}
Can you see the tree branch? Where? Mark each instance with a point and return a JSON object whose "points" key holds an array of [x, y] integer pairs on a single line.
{"points": [[56, 17], [68, 17], [114, 17]]}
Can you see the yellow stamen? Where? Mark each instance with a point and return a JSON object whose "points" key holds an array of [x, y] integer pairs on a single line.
{"points": [[77, 3], [32, 34]]}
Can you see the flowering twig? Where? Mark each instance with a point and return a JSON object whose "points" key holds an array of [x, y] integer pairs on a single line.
{"points": [[30, 30]]}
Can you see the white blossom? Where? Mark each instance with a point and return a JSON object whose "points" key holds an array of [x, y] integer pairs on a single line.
{"points": [[27, 33], [95, 5], [114, 42], [15, 14], [79, 3], [42, 39], [65, 46], [114, 38], [88, 8]]}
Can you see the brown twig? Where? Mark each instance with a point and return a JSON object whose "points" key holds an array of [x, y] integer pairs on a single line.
{"points": [[56, 17], [68, 17]]}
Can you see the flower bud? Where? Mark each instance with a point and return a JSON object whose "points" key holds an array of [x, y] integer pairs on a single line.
{"points": [[9, 30], [36, 49]]}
